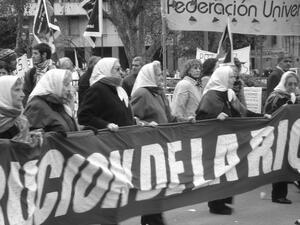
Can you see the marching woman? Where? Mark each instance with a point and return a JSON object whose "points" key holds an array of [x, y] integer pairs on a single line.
{"points": [[188, 92], [50, 103], [283, 94], [219, 101], [150, 105]]}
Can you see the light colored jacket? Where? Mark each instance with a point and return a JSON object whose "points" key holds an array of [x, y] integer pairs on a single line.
{"points": [[186, 98]]}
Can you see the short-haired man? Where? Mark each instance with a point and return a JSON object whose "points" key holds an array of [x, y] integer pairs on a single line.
{"points": [[41, 58], [284, 64], [129, 80]]}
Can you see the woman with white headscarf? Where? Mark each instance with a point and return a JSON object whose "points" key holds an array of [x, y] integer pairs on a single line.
{"points": [[106, 104], [49, 104], [219, 101], [150, 106], [13, 124], [283, 94]]}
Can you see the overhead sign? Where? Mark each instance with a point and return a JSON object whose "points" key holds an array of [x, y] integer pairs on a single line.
{"points": [[258, 17], [243, 54]]}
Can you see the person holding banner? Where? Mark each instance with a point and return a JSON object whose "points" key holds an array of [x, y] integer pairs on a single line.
{"points": [[150, 105], [219, 101], [49, 103], [106, 104], [188, 92], [41, 57], [283, 94]]}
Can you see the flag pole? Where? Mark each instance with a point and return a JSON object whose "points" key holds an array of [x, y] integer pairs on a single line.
{"points": [[163, 36]]}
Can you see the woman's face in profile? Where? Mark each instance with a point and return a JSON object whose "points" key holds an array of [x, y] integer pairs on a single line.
{"points": [[67, 86], [291, 84], [116, 69], [17, 94], [231, 79]]}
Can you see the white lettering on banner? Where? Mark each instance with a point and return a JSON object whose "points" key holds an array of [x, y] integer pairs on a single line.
{"points": [[197, 163], [226, 150], [82, 201], [176, 168], [2, 191], [280, 145], [127, 165], [261, 144], [293, 156], [267, 17], [53, 160], [71, 170]]}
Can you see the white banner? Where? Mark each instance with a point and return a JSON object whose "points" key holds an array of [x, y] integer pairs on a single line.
{"points": [[243, 54], [258, 17], [22, 65]]}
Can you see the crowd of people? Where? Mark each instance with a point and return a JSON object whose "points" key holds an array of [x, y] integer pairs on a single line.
{"points": [[44, 100]]}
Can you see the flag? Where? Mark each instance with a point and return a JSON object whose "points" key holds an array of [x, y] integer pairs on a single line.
{"points": [[225, 48], [76, 58], [95, 16], [45, 26]]}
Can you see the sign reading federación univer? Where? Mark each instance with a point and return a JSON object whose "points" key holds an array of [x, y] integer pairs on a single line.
{"points": [[258, 17]]}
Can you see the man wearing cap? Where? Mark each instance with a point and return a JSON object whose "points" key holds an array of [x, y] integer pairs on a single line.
{"points": [[284, 64]]}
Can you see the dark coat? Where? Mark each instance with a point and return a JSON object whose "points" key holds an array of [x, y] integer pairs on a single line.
{"points": [[276, 100], [84, 84], [101, 106], [273, 80], [215, 102], [10, 133], [48, 113], [128, 83]]}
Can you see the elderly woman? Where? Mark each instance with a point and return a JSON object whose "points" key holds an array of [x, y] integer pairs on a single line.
{"points": [[106, 103], [150, 105], [283, 94], [13, 124], [219, 101], [188, 92], [49, 103]]}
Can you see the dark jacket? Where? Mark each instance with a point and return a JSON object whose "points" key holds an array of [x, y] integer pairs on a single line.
{"points": [[276, 100], [150, 105], [215, 102], [10, 133], [101, 106], [128, 83], [48, 112], [273, 80], [84, 84]]}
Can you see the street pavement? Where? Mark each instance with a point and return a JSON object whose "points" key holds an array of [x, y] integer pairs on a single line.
{"points": [[249, 209]]}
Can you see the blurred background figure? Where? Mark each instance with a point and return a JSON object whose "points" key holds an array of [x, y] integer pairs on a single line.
{"points": [[284, 93], [188, 91], [10, 57], [4, 68], [129, 80], [84, 80]]}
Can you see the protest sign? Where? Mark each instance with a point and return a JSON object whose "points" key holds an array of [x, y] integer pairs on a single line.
{"points": [[108, 177], [253, 97], [243, 54], [22, 65], [258, 17]]}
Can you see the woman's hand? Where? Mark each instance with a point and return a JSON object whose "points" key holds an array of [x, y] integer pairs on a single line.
{"points": [[152, 124], [36, 138], [112, 127], [191, 119], [267, 116], [222, 116]]}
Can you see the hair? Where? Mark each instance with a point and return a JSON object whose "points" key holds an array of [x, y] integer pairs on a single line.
{"points": [[4, 65], [289, 75], [138, 58], [188, 65], [43, 48], [92, 62], [282, 57], [209, 66]]}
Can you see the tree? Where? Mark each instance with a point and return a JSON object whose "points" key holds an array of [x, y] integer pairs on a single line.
{"points": [[138, 23]]}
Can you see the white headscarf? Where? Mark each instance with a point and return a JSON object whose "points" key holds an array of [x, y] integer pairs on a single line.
{"points": [[50, 83], [281, 84], [145, 78], [103, 69], [219, 81], [6, 83]]}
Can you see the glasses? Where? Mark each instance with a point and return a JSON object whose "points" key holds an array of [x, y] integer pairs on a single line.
{"points": [[287, 61], [292, 84], [117, 69]]}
